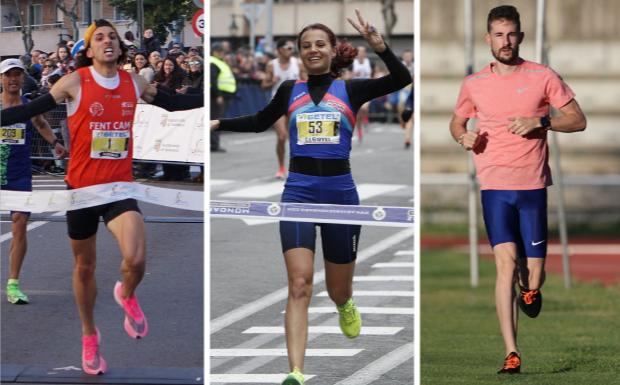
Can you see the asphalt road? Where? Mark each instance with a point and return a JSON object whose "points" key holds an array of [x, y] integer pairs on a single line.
{"points": [[248, 278], [46, 333]]}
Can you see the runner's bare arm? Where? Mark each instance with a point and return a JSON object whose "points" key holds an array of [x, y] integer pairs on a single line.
{"points": [[170, 102], [46, 132], [570, 119], [64, 89], [458, 128]]}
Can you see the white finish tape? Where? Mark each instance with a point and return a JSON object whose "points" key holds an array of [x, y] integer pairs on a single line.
{"points": [[62, 200]]}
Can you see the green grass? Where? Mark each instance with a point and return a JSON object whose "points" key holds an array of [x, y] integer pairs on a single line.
{"points": [[574, 340]]}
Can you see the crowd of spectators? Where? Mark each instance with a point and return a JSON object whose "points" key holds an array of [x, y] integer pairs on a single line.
{"points": [[174, 68]]}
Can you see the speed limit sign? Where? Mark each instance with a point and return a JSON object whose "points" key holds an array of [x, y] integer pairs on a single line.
{"points": [[198, 22]]}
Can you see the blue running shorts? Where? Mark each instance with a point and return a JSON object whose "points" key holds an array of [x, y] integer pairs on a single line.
{"points": [[518, 216], [340, 242]]}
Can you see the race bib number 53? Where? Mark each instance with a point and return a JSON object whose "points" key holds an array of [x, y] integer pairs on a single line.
{"points": [[318, 128], [15, 134], [109, 144]]}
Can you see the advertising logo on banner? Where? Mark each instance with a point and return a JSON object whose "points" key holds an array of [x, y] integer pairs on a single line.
{"points": [[168, 136]]}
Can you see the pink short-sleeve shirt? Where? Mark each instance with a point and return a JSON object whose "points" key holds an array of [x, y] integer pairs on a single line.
{"points": [[505, 161]]}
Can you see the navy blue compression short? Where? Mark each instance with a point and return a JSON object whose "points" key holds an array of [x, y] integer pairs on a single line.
{"points": [[340, 242], [518, 216]]}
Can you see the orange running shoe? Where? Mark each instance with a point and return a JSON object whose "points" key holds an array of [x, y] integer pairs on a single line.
{"points": [[512, 364], [530, 301]]}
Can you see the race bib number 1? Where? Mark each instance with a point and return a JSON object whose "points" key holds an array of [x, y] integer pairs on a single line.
{"points": [[318, 128], [109, 144], [15, 134]]}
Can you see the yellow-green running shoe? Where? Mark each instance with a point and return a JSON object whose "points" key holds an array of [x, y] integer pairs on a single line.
{"points": [[350, 319], [294, 378], [13, 294]]}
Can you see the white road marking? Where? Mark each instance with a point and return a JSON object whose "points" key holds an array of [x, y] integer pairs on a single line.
{"points": [[369, 190], [376, 369], [366, 330], [403, 252], [376, 293], [382, 265], [264, 190], [60, 186], [364, 310], [31, 226], [220, 182], [250, 378], [377, 278], [282, 352], [256, 222], [246, 310]]}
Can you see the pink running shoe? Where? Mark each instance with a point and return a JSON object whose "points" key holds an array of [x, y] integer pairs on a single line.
{"points": [[92, 361], [281, 174], [135, 321]]}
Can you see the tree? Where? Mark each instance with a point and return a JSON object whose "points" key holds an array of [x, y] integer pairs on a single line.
{"points": [[26, 27], [158, 15], [70, 11], [389, 17]]}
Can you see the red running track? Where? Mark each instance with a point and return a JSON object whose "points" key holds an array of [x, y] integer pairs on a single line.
{"points": [[591, 260]]}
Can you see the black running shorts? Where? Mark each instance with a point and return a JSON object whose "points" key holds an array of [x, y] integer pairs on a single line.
{"points": [[83, 223]]}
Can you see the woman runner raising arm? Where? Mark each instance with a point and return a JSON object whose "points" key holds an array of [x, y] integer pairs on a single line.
{"points": [[321, 114]]}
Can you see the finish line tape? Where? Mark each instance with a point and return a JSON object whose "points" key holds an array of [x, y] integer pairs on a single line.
{"points": [[62, 200], [318, 213]]}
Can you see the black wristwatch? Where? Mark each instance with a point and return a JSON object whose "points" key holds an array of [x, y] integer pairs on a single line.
{"points": [[55, 142], [545, 122]]}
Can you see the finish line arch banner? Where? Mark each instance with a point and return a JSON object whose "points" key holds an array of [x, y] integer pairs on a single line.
{"points": [[168, 136]]}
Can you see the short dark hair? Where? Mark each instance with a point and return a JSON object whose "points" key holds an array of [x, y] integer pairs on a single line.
{"points": [[282, 42], [506, 12]]}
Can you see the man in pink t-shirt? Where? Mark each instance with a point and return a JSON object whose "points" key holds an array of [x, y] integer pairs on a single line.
{"points": [[511, 100]]}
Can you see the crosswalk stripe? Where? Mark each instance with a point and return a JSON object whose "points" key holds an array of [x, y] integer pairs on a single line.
{"points": [[391, 264], [375, 278], [220, 182], [264, 190], [282, 352], [364, 310], [281, 294], [376, 369], [375, 293], [250, 378], [403, 252], [35, 180], [49, 185], [366, 330]]}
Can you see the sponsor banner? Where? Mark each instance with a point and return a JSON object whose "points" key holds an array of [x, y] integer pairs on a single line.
{"points": [[53, 200], [319, 213], [168, 136]]}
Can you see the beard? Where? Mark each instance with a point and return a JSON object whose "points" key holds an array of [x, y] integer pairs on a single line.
{"points": [[508, 60]]}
